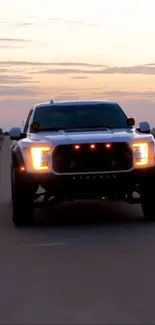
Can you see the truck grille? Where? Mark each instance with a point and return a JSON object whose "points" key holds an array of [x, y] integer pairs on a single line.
{"points": [[101, 157]]}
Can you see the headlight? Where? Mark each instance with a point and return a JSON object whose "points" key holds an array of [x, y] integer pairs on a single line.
{"points": [[39, 157], [141, 153]]}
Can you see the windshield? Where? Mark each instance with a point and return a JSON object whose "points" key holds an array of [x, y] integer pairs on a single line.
{"points": [[108, 115]]}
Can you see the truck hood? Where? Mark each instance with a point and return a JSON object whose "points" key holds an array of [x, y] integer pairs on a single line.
{"points": [[63, 137]]}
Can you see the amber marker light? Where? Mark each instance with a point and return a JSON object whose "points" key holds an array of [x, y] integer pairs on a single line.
{"points": [[108, 145], [77, 147], [22, 168], [92, 146]]}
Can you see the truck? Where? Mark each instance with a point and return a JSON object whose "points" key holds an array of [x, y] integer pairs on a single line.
{"points": [[80, 150]]}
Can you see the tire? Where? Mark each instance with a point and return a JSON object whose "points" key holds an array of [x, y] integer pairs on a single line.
{"points": [[147, 195], [22, 201]]}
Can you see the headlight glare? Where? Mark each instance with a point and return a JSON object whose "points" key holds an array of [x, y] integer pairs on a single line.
{"points": [[141, 153], [39, 157]]}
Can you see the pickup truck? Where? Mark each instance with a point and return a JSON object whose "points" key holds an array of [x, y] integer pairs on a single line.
{"points": [[80, 150]]}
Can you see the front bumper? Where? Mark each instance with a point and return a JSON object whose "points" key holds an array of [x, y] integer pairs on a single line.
{"points": [[89, 185]]}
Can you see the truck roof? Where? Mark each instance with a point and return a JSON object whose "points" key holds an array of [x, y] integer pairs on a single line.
{"points": [[67, 103]]}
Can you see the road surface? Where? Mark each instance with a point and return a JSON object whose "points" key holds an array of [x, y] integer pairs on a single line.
{"points": [[87, 263]]}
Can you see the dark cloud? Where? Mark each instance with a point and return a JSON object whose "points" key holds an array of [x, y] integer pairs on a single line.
{"points": [[123, 94], [12, 90], [139, 69], [69, 71], [97, 69], [3, 70], [15, 79], [5, 39], [78, 64], [79, 77], [11, 47], [119, 94], [17, 24], [68, 64], [77, 70], [17, 91], [150, 64], [22, 24]]}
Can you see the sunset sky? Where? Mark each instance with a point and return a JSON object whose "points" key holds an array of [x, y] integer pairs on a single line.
{"points": [[76, 49]]}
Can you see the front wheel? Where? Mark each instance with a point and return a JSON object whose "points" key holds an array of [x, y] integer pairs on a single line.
{"points": [[22, 201]]}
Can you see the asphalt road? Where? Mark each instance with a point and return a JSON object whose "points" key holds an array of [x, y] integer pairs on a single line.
{"points": [[83, 263]]}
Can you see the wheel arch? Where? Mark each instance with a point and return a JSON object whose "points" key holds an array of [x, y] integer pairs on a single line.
{"points": [[17, 158]]}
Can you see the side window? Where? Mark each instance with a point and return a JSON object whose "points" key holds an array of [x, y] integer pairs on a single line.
{"points": [[27, 121]]}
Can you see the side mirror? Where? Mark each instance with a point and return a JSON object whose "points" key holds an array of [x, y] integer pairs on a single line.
{"points": [[144, 127], [131, 121], [15, 133]]}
